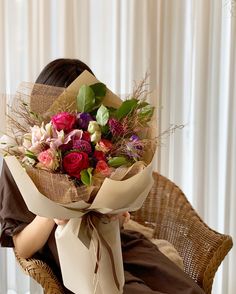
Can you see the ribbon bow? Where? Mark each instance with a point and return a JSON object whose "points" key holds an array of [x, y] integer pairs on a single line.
{"points": [[89, 229]]}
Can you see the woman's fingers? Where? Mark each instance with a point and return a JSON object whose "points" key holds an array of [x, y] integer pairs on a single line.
{"points": [[126, 216], [122, 217], [60, 222]]}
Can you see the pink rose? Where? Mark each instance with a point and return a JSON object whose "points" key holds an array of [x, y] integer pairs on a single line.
{"points": [[48, 160], [74, 162], [63, 121], [103, 168]]}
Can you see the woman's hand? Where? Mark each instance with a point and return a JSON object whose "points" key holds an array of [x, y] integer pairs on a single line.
{"points": [[123, 217], [60, 222]]}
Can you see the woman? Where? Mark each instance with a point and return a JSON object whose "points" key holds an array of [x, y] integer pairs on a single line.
{"points": [[147, 270]]}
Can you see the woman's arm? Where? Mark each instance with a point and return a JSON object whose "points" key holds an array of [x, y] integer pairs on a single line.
{"points": [[33, 237]]}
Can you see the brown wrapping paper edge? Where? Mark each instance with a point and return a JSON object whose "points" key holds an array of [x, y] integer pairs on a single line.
{"points": [[113, 196]]}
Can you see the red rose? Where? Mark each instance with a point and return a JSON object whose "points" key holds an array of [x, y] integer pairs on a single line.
{"points": [[103, 168], [74, 162], [99, 155], [63, 121]]}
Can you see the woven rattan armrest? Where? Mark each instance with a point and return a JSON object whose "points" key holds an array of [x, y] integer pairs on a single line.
{"points": [[41, 273]]}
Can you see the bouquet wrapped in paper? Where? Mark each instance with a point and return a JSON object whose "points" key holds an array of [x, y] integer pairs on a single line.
{"points": [[81, 153]]}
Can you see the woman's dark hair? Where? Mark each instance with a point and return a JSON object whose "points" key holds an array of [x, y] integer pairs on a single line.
{"points": [[62, 72]]}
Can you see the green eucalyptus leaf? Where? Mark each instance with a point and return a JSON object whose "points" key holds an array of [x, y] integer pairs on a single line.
{"points": [[99, 89], [146, 112], [117, 161], [86, 176], [125, 108], [89, 170], [142, 104], [102, 115], [85, 99]]}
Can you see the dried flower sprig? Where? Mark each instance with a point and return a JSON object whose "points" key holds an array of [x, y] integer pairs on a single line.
{"points": [[21, 118], [140, 91]]}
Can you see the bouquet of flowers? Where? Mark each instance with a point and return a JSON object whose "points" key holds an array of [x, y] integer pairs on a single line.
{"points": [[83, 145], [90, 154]]}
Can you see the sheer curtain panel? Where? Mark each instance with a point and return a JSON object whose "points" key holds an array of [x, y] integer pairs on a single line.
{"points": [[188, 47]]}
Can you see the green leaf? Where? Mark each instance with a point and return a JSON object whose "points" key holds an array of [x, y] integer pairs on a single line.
{"points": [[146, 112], [30, 155], [112, 111], [105, 129], [142, 104], [85, 99], [126, 107], [98, 101], [117, 161], [99, 89], [86, 176], [102, 115]]}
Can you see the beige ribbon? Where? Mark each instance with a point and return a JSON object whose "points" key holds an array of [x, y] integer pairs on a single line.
{"points": [[89, 225]]}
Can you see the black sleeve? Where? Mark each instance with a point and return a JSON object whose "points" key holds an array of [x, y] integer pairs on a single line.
{"points": [[14, 214]]}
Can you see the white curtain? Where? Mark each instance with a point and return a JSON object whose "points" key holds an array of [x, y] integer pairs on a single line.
{"points": [[189, 49]]}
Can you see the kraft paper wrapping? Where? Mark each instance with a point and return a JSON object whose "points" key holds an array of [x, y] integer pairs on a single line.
{"points": [[113, 197], [68, 97], [77, 261]]}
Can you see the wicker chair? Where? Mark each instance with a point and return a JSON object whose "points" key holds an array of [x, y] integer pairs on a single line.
{"points": [[169, 213]]}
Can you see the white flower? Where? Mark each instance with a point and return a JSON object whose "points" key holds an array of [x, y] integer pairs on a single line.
{"points": [[93, 127], [49, 130], [27, 141], [96, 136], [41, 134], [36, 148], [57, 140]]}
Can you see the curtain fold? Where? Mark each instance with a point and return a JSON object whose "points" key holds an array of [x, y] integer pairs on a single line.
{"points": [[189, 49]]}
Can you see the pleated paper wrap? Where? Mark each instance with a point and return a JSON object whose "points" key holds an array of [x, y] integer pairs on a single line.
{"points": [[88, 245]]}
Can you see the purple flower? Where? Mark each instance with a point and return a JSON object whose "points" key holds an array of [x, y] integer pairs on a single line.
{"points": [[134, 138], [83, 120], [136, 142], [83, 146], [134, 147]]}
